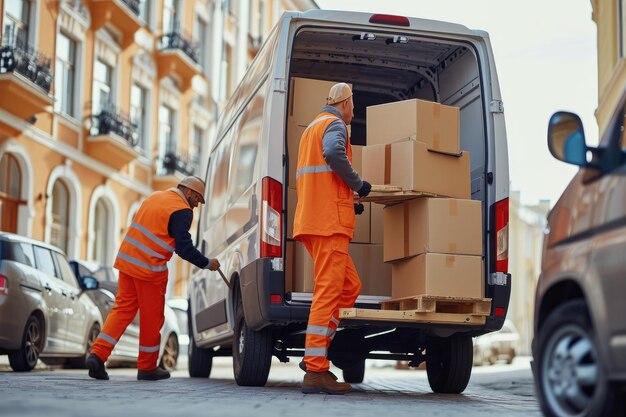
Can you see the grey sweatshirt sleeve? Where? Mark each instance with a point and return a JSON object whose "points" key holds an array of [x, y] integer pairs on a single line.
{"points": [[334, 151]]}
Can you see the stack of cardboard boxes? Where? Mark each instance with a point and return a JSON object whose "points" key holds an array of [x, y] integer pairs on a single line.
{"points": [[308, 97], [433, 244]]}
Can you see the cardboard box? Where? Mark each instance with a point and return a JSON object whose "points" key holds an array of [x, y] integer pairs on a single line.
{"points": [[434, 124], [442, 225], [410, 165], [377, 224], [292, 201], [294, 133], [307, 97], [375, 275], [357, 158], [437, 274]]}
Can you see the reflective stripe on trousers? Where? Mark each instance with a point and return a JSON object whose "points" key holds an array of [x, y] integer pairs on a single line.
{"points": [[337, 285]]}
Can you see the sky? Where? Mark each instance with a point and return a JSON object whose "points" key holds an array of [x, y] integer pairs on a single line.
{"points": [[546, 59]]}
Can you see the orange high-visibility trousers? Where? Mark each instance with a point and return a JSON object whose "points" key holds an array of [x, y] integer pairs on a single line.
{"points": [[133, 294], [337, 285]]}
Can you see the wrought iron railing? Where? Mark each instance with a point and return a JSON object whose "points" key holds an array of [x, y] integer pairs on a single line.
{"points": [[175, 40], [132, 5], [172, 163], [16, 56], [109, 120]]}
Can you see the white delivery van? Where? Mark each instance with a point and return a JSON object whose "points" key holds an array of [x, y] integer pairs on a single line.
{"points": [[250, 193]]}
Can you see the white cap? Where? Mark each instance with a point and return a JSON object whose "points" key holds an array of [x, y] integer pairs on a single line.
{"points": [[338, 93], [194, 184]]}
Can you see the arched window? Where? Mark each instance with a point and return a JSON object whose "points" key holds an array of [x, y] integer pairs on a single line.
{"points": [[60, 215], [102, 238], [10, 191]]}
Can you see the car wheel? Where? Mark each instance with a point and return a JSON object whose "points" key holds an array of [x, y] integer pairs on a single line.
{"points": [[200, 360], [355, 374], [91, 339], [449, 363], [252, 352], [25, 358], [570, 379], [169, 359]]}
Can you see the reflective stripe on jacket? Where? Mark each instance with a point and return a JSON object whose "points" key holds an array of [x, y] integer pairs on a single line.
{"points": [[325, 202], [147, 245]]}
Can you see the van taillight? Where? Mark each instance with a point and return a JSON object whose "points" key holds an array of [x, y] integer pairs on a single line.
{"points": [[502, 235], [271, 207], [389, 19], [4, 285]]}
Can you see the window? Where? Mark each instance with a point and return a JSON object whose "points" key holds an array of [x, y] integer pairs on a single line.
{"points": [[65, 270], [64, 75], [10, 192], [218, 177], [621, 24], [228, 71], [138, 114], [200, 38], [44, 260], [16, 25], [195, 150], [60, 216], [144, 10], [170, 23], [17, 252], [101, 244], [102, 82], [167, 140]]}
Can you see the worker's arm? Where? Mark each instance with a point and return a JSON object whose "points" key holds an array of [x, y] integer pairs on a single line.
{"points": [[178, 228], [334, 151]]}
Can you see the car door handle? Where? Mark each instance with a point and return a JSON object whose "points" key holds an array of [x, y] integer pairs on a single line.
{"points": [[47, 287], [63, 293]]}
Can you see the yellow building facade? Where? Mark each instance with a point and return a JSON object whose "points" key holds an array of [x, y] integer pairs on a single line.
{"points": [[103, 102]]}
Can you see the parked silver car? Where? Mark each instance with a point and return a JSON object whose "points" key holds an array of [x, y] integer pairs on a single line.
{"points": [[127, 349], [44, 313]]}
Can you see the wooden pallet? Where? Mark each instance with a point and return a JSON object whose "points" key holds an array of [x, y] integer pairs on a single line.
{"points": [[425, 309], [440, 304], [391, 194]]}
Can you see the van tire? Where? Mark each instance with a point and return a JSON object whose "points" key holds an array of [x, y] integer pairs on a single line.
{"points": [[200, 360], [567, 326], [252, 352], [449, 363], [355, 374], [25, 358]]}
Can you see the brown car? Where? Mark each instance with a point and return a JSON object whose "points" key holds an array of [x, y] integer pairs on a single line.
{"points": [[579, 346]]}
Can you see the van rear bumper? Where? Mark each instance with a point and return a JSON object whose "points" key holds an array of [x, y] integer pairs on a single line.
{"points": [[258, 283]]}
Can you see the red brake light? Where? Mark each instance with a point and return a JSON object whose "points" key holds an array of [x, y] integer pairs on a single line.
{"points": [[389, 19], [271, 218], [276, 299], [4, 285], [501, 245], [500, 312]]}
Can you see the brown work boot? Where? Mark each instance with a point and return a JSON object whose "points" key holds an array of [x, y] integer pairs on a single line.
{"points": [[323, 382], [302, 366]]}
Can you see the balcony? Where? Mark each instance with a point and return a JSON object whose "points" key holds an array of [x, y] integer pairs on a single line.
{"points": [[25, 80], [123, 14], [112, 138], [177, 54], [171, 168]]}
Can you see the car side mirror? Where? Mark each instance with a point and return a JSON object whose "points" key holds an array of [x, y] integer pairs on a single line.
{"points": [[90, 283], [566, 138]]}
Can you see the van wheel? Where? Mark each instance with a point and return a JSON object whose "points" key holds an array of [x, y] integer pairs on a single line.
{"points": [[570, 379], [25, 358], [200, 360], [91, 339], [252, 352], [449, 363], [355, 373]]}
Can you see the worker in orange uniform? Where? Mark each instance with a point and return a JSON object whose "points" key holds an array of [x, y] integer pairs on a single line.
{"points": [[160, 228], [324, 223]]}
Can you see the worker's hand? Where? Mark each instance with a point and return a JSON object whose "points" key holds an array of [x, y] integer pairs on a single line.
{"points": [[358, 208], [365, 189], [213, 264]]}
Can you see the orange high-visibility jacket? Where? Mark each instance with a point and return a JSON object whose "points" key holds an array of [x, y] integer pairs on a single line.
{"points": [[325, 202], [147, 245]]}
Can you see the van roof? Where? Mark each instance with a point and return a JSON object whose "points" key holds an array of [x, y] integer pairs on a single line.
{"points": [[361, 19], [18, 238]]}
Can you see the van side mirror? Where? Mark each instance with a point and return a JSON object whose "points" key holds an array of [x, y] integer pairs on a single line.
{"points": [[90, 283], [566, 138]]}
